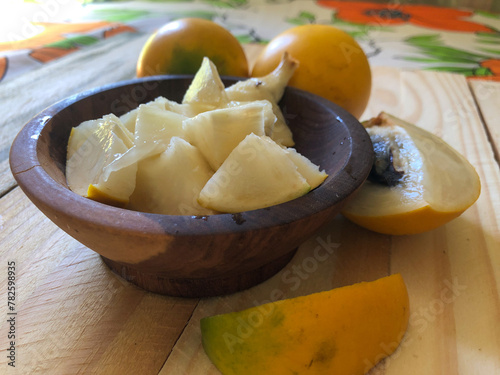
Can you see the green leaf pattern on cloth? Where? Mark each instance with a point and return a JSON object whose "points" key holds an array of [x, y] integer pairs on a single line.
{"points": [[398, 36]]}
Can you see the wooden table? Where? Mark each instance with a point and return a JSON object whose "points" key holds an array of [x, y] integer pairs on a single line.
{"points": [[76, 317]]}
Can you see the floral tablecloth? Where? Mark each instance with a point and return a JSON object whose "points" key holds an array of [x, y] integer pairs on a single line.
{"points": [[406, 36]]}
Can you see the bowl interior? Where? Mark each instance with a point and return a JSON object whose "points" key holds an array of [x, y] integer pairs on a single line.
{"points": [[324, 132]]}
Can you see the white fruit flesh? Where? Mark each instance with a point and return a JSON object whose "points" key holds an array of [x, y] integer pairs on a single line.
{"points": [[257, 174], [161, 156], [216, 133], [169, 183], [91, 148], [207, 87], [306, 168], [270, 87], [154, 125], [435, 174]]}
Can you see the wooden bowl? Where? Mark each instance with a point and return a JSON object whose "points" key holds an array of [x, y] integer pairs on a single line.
{"points": [[186, 255]]}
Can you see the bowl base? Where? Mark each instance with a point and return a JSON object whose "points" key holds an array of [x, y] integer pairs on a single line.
{"points": [[198, 287]]}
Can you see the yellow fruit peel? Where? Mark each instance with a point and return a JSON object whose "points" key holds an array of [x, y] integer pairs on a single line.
{"points": [[98, 195], [343, 331]]}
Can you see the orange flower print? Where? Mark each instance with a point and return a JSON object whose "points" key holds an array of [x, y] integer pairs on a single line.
{"points": [[489, 69], [46, 54], [118, 30], [3, 67], [395, 14], [493, 65]]}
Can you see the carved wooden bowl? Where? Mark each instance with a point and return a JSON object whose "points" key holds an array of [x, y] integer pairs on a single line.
{"points": [[185, 255]]}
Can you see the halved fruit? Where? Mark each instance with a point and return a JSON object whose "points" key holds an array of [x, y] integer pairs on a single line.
{"points": [[418, 181], [256, 174], [343, 331]]}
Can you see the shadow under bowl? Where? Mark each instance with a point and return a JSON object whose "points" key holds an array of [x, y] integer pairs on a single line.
{"points": [[191, 256]]}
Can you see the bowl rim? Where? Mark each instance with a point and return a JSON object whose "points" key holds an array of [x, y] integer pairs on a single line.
{"points": [[29, 172]]}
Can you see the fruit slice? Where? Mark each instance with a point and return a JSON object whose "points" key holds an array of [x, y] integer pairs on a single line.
{"points": [[114, 187], [169, 183], [270, 87], [91, 149], [206, 87], [256, 174], [129, 118], [216, 133], [344, 331], [307, 168], [418, 181], [156, 125], [110, 123]]}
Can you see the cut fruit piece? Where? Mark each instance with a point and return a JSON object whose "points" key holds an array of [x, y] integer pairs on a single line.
{"points": [[418, 181], [273, 84], [307, 168], [206, 87], [258, 173], [269, 117], [114, 187], [344, 331], [88, 159], [157, 125], [269, 87], [216, 133], [169, 183], [129, 119], [108, 123]]}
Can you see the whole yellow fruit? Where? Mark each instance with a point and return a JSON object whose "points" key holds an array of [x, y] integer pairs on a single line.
{"points": [[332, 64], [179, 47]]}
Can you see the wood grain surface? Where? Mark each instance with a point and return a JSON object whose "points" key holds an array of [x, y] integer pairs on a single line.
{"points": [[77, 317]]}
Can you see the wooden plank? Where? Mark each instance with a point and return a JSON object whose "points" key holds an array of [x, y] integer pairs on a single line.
{"points": [[452, 273], [487, 96], [74, 315]]}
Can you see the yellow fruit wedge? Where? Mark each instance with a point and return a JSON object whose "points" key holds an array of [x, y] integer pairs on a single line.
{"points": [[216, 133], [169, 183], [343, 331], [257, 173], [418, 181], [206, 87]]}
